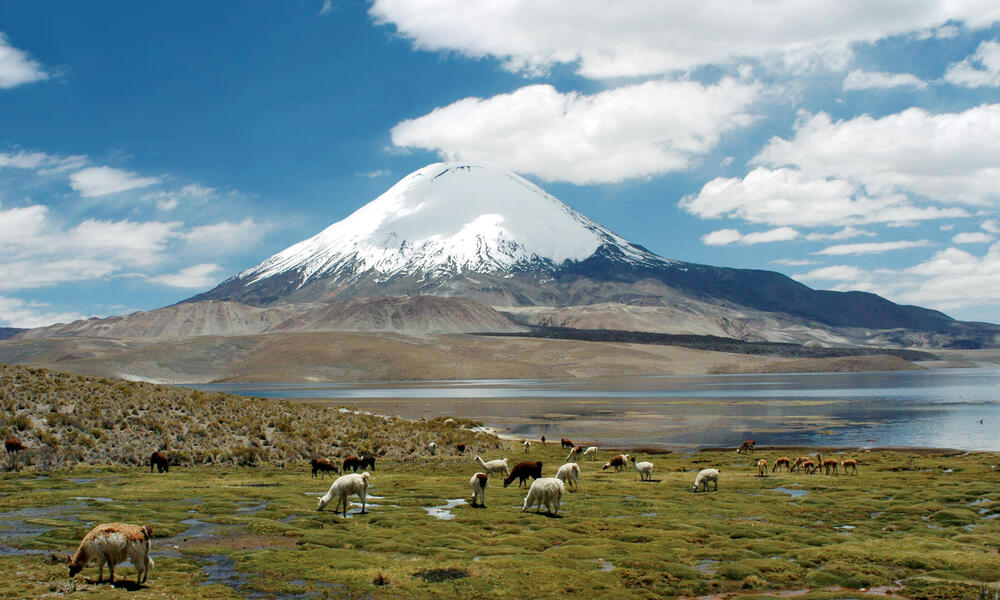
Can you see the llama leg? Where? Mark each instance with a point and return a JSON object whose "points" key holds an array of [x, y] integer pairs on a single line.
{"points": [[363, 496], [111, 572], [100, 569]]}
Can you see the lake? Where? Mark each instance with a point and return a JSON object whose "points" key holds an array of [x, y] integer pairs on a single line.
{"points": [[934, 408]]}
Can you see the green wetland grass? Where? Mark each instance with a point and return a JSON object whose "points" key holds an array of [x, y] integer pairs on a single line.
{"points": [[911, 525]]}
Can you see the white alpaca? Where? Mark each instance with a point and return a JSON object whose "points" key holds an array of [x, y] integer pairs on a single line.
{"points": [[574, 454], [113, 543], [494, 466], [590, 453], [432, 448], [704, 476], [478, 484], [344, 486], [569, 474], [644, 468], [548, 491], [527, 446]]}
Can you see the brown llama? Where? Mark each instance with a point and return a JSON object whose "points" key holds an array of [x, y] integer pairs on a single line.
{"points": [[367, 462], [113, 543], [160, 460], [799, 462], [784, 460], [460, 448], [746, 446], [762, 468], [13, 446], [522, 471], [565, 443], [826, 464], [324, 466], [849, 463], [352, 462], [809, 467]]}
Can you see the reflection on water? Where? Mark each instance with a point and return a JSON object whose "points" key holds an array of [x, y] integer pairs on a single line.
{"points": [[939, 408]]}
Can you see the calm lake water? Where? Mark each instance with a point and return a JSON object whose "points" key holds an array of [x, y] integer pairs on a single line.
{"points": [[937, 408]]}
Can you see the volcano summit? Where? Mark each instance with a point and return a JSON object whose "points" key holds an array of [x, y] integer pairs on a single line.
{"points": [[479, 231]]}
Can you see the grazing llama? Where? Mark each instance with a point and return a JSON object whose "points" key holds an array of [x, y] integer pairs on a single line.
{"points": [[113, 543], [352, 462], [784, 460], [565, 443], [574, 454], [494, 466], [160, 460], [619, 462], [324, 466], [762, 468], [569, 474], [547, 491], [344, 486], [527, 446], [746, 446], [826, 464], [704, 476], [849, 463], [478, 483], [522, 471]]}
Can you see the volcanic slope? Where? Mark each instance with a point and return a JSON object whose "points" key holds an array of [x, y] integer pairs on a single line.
{"points": [[476, 230]]}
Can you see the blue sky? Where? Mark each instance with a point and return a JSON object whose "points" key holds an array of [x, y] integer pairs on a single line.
{"points": [[149, 151]]}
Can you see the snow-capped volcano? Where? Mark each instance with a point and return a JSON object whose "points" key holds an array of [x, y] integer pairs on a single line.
{"points": [[479, 231], [444, 219]]}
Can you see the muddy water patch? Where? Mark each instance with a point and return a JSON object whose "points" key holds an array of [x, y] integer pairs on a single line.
{"points": [[604, 565], [707, 566], [253, 508], [93, 499], [443, 511], [790, 492]]}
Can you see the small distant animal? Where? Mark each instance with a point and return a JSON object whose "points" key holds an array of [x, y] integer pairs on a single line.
{"points": [[746, 446], [527, 446], [367, 462], [784, 460], [432, 448], [980, 421], [574, 454], [522, 471], [161, 460], [619, 462], [762, 468], [113, 543], [324, 466], [849, 463], [566, 443], [590, 453], [826, 464], [352, 462], [13, 446], [478, 484], [460, 448], [704, 476], [543, 439]]}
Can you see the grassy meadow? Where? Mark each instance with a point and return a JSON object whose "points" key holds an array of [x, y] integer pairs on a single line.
{"points": [[911, 524]]}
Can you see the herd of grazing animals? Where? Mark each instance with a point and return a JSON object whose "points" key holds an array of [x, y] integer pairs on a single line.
{"points": [[113, 543]]}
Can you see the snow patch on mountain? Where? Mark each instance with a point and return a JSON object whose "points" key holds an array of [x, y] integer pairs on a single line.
{"points": [[447, 218]]}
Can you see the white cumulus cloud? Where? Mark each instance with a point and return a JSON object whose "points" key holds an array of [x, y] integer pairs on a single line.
{"points": [[100, 181], [197, 276], [982, 69], [631, 131], [15, 312], [729, 236], [17, 67], [634, 38], [867, 80], [973, 237], [872, 248], [844, 234]]}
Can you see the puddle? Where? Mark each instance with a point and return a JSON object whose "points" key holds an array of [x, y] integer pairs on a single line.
{"points": [[792, 493], [707, 566], [877, 514], [605, 565], [847, 527], [93, 498], [198, 529], [978, 502], [970, 527], [885, 590], [993, 516], [443, 511], [222, 570], [83, 480], [288, 519], [256, 508], [650, 514]]}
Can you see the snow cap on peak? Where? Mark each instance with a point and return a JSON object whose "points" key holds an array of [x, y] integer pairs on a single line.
{"points": [[449, 216]]}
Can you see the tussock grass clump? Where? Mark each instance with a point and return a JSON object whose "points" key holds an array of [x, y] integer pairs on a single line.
{"points": [[67, 419]]}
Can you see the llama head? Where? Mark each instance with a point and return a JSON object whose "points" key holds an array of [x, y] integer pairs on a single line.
{"points": [[321, 503], [74, 568]]}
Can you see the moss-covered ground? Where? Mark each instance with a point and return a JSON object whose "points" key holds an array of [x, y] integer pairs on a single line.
{"points": [[911, 524]]}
